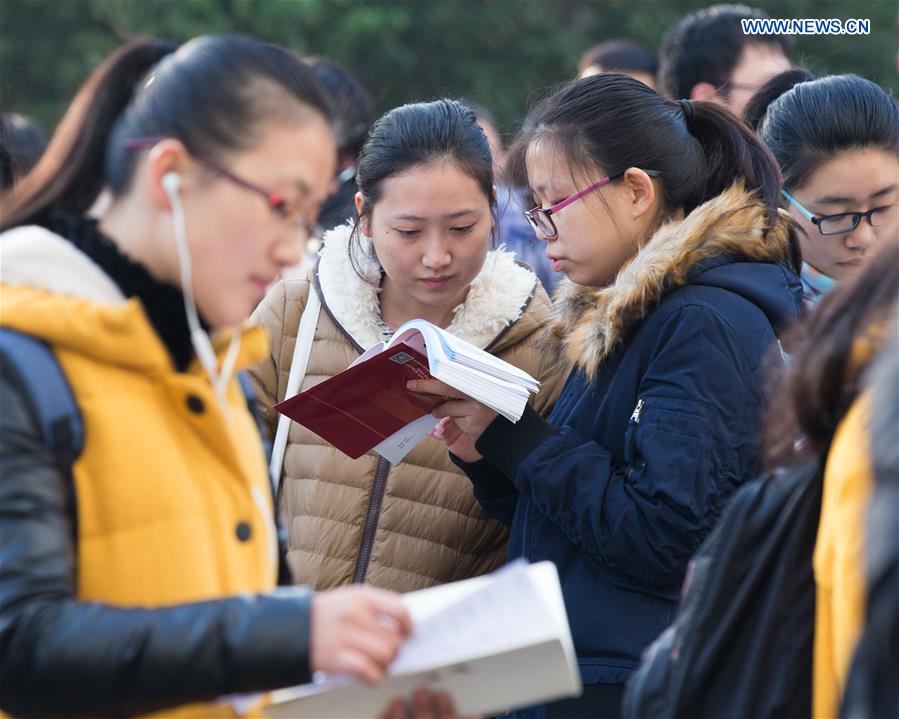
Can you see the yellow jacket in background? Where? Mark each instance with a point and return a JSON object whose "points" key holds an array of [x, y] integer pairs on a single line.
{"points": [[839, 558]]}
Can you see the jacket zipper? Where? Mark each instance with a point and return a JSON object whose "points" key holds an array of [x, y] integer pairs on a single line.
{"points": [[630, 454], [635, 417], [379, 486], [372, 516], [316, 287]]}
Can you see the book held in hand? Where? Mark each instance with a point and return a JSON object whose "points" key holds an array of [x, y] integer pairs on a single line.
{"points": [[367, 406], [493, 643]]}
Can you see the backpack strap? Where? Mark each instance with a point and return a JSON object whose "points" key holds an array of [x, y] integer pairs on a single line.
{"points": [[251, 398], [38, 373], [284, 575]]}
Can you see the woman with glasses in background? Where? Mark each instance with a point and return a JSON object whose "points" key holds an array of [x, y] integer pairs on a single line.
{"points": [[836, 140], [664, 216], [138, 570]]}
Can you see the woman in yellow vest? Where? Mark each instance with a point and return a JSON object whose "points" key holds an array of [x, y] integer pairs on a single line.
{"points": [[141, 578]]}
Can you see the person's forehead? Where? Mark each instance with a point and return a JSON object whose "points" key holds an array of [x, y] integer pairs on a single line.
{"points": [[758, 63], [853, 176], [301, 155]]}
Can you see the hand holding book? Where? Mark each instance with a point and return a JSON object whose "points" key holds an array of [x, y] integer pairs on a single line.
{"points": [[491, 643], [370, 404], [470, 416], [456, 441]]}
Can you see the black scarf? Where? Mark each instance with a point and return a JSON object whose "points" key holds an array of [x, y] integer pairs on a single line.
{"points": [[162, 302]]}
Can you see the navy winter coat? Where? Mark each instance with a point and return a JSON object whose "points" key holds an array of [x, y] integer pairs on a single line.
{"points": [[657, 425]]}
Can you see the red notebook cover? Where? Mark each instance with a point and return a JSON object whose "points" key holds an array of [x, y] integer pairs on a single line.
{"points": [[363, 405]]}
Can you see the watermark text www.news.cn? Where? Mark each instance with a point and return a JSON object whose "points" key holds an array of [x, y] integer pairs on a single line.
{"points": [[805, 26]]}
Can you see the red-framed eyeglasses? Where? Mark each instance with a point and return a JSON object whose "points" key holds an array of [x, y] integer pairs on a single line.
{"points": [[276, 203], [541, 219]]}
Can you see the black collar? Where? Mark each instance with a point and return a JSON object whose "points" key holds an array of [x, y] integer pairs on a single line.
{"points": [[162, 302]]}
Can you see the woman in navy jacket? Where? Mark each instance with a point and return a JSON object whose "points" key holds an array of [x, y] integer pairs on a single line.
{"points": [[682, 270]]}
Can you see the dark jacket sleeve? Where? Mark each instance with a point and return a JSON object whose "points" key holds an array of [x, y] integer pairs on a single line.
{"points": [[493, 490], [63, 657], [693, 440]]}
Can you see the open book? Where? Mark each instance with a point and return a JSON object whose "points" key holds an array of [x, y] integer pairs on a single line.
{"points": [[493, 643], [367, 406]]}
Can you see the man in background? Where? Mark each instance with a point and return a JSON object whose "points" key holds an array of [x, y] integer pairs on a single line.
{"points": [[622, 56], [706, 56]]}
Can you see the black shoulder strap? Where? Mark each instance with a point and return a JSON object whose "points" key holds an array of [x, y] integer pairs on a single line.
{"points": [[284, 575], [38, 372], [250, 395]]}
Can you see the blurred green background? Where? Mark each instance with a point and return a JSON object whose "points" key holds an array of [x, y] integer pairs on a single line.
{"points": [[501, 53]]}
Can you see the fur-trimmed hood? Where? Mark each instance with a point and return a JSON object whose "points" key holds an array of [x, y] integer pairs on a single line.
{"points": [[700, 249], [498, 295]]}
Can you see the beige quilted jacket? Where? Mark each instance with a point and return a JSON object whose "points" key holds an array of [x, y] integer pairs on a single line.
{"points": [[415, 524]]}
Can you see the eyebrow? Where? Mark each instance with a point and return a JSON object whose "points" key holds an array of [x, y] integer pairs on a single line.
{"points": [[303, 187], [834, 200], [450, 216], [288, 179]]}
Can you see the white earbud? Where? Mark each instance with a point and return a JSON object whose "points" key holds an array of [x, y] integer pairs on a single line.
{"points": [[171, 183]]}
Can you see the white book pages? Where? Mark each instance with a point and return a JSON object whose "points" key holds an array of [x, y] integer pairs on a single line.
{"points": [[492, 381], [478, 374], [492, 642]]}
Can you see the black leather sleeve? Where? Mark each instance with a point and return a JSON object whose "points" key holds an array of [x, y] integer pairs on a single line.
{"points": [[63, 657]]}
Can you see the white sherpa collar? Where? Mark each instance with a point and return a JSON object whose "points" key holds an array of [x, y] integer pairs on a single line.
{"points": [[496, 299], [32, 255]]}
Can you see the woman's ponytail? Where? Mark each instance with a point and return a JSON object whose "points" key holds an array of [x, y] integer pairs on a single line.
{"points": [[71, 172], [732, 152]]}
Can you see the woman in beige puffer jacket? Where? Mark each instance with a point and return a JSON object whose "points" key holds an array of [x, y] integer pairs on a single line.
{"points": [[420, 250]]}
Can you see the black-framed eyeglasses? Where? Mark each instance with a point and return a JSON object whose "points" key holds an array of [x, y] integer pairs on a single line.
{"points": [[292, 215], [842, 222], [541, 220]]}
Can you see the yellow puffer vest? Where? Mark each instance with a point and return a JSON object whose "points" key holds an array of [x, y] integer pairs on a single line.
{"points": [[172, 494]]}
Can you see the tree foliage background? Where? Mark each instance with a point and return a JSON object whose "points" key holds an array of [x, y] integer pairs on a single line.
{"points": [[500, 53]]}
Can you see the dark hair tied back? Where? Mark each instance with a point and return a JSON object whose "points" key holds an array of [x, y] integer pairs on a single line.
{"points": [[416, 135], [609, 122], [70, 174], [213, 94], [687, 108], [814, 121]]}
